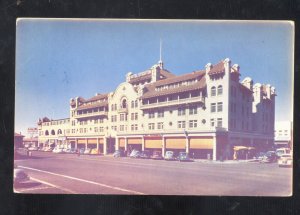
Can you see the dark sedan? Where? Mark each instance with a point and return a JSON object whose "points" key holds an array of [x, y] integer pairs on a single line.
{"points": [[184, 156]]}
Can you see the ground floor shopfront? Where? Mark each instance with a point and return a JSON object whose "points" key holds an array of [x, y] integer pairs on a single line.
{"points": [[205, 145], [214, 145]]}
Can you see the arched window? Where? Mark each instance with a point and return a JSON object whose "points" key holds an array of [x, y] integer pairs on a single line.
{"points": [[132, 104], [124, 103], [52, 132], [46, 132], [213, 91], [220, 90], [59, 131]]}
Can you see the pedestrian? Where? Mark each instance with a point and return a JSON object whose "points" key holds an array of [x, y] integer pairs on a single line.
{"points": [[78, 152]]}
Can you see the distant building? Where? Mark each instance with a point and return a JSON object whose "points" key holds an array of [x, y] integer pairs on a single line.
{"points": [[18, 140], [206, 112], [283, 134], [32, 141]]}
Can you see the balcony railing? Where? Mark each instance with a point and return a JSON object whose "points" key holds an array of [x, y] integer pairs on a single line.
{"points": [[96, 113], [123, 110], [174, 102]]}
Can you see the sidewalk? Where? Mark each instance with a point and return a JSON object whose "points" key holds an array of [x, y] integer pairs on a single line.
{"points": [[225, 161]]}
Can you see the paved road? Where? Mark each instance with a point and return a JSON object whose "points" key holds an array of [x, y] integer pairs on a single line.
{"points": [[87, 174]]}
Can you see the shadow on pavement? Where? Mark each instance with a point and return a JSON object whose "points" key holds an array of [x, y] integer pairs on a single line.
{"points": [[26, 185]]}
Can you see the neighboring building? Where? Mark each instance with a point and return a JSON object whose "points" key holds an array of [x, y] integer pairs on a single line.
{"points": [[18, 140], [205, 112], [283, 134], [32, 141]]}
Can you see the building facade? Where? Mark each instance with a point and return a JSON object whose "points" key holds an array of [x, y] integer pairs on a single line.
{"points": [[206, 113], [283, 134]]}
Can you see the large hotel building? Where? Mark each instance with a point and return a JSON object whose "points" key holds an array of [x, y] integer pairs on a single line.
{"points": [[206, 113]]}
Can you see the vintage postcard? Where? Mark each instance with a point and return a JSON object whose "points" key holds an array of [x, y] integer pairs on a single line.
{"points": [[154, 107]]}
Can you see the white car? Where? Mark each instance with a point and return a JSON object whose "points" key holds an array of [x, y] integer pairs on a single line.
{"points": [[285, 160], [57, 150]]}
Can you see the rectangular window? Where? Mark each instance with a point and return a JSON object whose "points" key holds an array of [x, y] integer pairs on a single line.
{"points": [[101, 129], [219, 123], [181, 124], [220, 106], [181, 111], [212, 122], [193, 123], [96, 129], [160, 114], [160, 125], [151, 115], [193, 110], [121, 127], [95, 121], [213, 107], [123, 117], [101, 120], [151, 126]]}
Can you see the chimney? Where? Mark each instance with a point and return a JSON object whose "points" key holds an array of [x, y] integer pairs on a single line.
{"points": [[155, 73], [208, 67], [128, 76]]}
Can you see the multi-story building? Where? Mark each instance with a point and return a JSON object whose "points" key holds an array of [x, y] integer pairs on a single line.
{"points": [[283, 134], [205, 112]]}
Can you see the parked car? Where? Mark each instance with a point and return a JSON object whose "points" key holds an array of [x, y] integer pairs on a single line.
{"points": [[119, 153], [95, 151], [269, 157], [87, 151], [20, 176], [67, 150], [33, 148], [170, 155], [259, 155], [145, 155], [135, 154], [184, 156], [285, 160], [58, 150], [48, 149], [157, 155], [81, 150], [73, 151], [282, 151]]}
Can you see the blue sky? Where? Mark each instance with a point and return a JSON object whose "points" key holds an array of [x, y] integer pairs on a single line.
{"points": [[60, 59]]}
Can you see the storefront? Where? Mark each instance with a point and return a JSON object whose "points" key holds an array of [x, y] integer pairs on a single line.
{"points": [[201, 147], [134, 143], [153, 144], [176, 144]]}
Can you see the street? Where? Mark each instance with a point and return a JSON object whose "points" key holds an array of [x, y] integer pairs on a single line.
{"points": [[97, 174]]}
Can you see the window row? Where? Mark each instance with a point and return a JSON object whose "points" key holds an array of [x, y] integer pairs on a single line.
{"points": [[216, 107], [180, 112], [216, 91], [216, 122]]}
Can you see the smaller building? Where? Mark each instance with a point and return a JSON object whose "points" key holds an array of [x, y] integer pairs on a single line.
{"points": [[18, 140], [283, 134], [28, 142]]}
